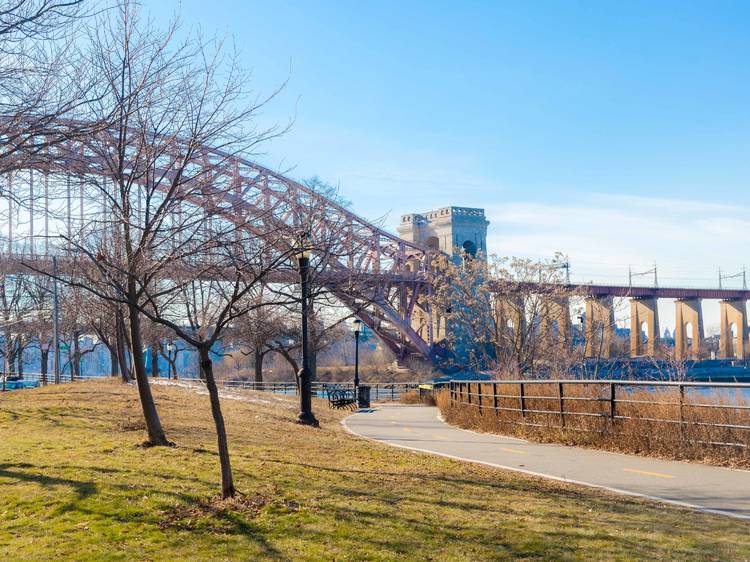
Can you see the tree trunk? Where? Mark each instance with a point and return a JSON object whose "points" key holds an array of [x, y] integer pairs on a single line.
{"points": [[201, 372], [75, 372], [44, 366], [156, 435], [295, 367], [227, 482], [114, 366], [120, 346], [258, 357], [20, 361], [11, 355], [154, 362]]}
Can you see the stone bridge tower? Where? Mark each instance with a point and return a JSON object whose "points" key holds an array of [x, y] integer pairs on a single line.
{"points": [[447, 229]]}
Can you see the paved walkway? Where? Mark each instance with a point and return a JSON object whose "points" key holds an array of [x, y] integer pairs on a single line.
{"points": [[708, 488]]}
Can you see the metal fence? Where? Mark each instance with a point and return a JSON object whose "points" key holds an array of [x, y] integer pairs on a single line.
{"points": [[379, 392], [50, 377], [709, 413]]}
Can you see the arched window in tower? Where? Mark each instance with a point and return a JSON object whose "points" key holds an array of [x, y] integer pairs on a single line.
{"points": [[469, 247]]}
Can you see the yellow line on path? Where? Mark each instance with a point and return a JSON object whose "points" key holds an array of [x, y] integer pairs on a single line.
{"points": [[513, 451], [647, 473]]}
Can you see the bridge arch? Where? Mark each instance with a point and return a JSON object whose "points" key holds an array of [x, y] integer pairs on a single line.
{"points": [[433, 243], [391, 273]]}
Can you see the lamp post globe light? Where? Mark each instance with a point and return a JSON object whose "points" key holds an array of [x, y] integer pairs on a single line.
{"points": [[306, 416]]}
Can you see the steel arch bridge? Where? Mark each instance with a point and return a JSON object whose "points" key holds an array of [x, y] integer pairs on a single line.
{"points": [[379, 277]]}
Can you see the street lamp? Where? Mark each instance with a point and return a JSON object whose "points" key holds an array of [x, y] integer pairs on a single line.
{"points": [[357, 322], [306, 416], [45, 345], [172, 366]]}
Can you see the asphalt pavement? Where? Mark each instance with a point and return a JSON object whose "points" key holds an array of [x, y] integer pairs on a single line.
{"points": [[708, 488]]}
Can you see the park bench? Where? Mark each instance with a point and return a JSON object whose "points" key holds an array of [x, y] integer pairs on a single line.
{"points": [[341, 397]]}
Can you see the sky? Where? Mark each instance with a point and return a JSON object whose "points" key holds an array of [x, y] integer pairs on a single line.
{"points": [[617, 133]]}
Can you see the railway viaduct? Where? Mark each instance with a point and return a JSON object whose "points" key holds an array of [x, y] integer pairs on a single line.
{"points": [[460, 227]]}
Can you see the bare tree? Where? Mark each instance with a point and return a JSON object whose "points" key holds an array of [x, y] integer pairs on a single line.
{"points": [[201, 309], [35, 19], [508, 315], [170, 105], [263, 330], [17, 315], [43, 86]]}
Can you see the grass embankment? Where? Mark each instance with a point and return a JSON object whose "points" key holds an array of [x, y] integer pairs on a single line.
{"points": [[646, 421], [74, 484]]}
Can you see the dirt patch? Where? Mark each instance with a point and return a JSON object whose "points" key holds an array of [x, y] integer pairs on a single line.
{"points": [[217, 513]]}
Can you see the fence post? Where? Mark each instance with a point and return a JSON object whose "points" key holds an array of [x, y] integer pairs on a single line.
{"points": [[468, 392], [479, 390], [611, 401], [681, 389], [561, 403], [393, 393], [522, 398], [494, 398]]}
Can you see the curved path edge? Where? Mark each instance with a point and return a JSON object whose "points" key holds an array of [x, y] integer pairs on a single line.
{"points": [[374, 432]]}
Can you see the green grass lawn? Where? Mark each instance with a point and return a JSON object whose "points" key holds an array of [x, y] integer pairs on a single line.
{"points": [[75, 484]]}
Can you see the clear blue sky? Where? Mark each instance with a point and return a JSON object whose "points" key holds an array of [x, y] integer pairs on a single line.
{"points": [[575, 124]]}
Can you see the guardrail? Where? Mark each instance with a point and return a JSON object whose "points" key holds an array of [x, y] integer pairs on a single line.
{"points": [[706, 413]]}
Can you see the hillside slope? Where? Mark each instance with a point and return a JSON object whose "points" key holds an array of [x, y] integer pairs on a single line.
{"points": [[74, 484]]}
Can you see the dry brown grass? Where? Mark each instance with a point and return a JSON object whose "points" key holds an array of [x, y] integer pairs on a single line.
{"points": [[415, 397], [646, 421]]}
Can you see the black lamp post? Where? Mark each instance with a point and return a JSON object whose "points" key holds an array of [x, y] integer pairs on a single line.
{"points": [[172, 367], [44, 348], [306, 416], [357, 323]]}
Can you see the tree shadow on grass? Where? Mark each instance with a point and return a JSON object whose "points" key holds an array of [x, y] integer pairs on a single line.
{"points": [[564, 526], [216, 516], [81, 488]]}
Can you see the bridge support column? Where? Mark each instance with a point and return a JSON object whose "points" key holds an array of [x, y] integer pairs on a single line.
{"points": [[733, 312], [688, 313], [600, 321], [644, 311], [509, 316], [556, 325]]}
